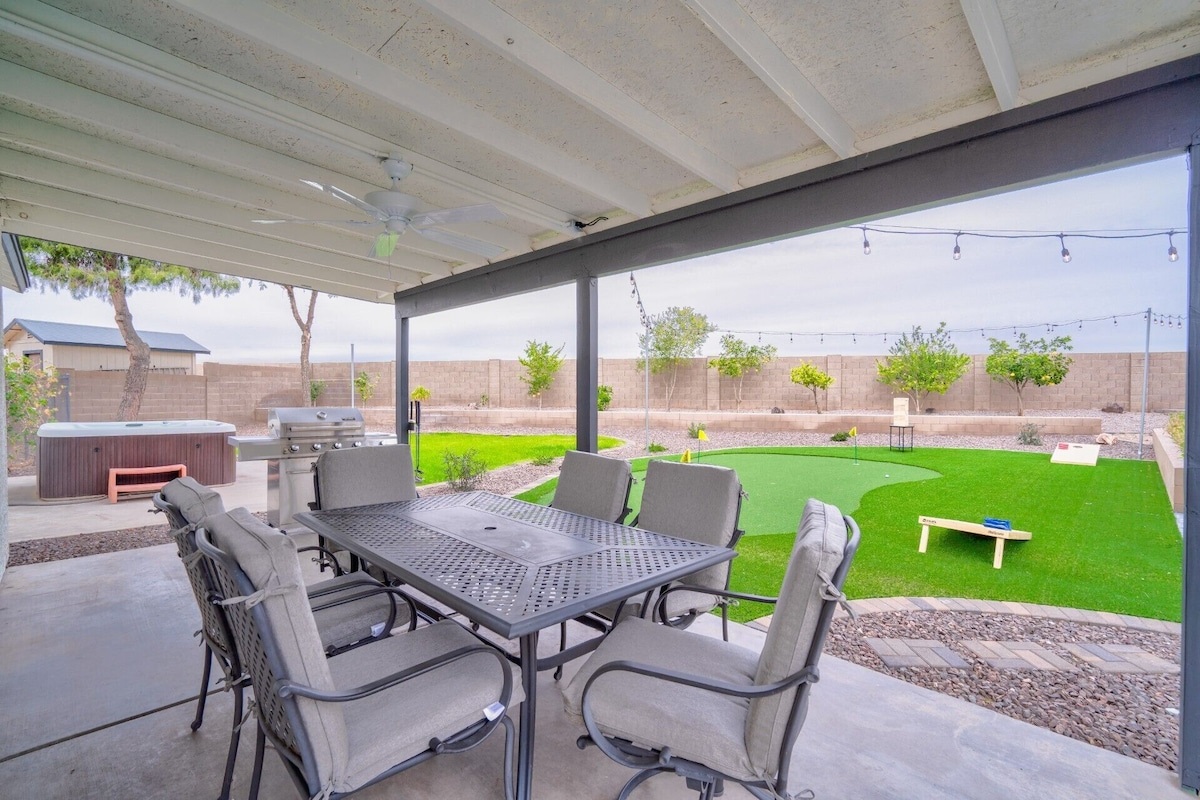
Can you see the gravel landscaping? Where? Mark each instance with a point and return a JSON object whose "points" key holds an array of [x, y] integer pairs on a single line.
{"points": [[1130, 714]]}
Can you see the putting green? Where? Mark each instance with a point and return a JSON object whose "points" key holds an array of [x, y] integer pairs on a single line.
{"points": [[778, 485]]}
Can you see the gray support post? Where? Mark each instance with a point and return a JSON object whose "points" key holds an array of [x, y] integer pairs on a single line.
{"points": [[402, 379], [587, 355], [1189, 721]]}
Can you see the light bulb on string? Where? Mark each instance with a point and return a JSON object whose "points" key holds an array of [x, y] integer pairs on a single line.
{"points": [[1172, 253], [866, 244], [957, 249], [1114, 321], [1066, 254]]}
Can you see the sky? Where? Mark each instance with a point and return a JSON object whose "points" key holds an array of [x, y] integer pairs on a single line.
{"points": [[812, 295]]}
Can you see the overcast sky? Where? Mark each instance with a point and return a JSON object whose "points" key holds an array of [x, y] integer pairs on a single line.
{"points": [[805, 287]]}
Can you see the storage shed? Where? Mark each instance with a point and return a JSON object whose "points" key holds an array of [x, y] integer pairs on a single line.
{"points": [[64, 345]]}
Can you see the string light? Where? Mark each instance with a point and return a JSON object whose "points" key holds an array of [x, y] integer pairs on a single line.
{"points": [[1062, 236], [1168, 320]]}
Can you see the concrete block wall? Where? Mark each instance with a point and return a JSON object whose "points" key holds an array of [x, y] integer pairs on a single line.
{"points": [[243, 392], [96, 396]]}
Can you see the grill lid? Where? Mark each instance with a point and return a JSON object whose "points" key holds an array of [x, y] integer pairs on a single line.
{"points": [[308, 423]]}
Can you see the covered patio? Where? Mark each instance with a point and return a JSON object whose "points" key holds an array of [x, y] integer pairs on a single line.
{"points": [[609, 140]]}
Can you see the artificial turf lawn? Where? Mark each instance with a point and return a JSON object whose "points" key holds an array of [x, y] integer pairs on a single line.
{"points": [[493, 449], [1104, 537]]}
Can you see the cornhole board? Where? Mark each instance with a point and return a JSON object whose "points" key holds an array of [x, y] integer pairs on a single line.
{"points": [[1082, 454], [1001, 536]]}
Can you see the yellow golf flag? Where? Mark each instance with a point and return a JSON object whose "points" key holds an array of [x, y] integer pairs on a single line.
{"points": [[854, 431], [702, 436], [686, 458]]}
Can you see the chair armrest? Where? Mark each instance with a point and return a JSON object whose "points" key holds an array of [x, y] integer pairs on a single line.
{"points": [[806, 675], [287, 688], [366, 591], [660, 610], [329, 557]]}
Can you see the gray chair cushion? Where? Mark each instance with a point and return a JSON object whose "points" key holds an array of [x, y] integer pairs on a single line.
{"points": [[696, 724], [364, 475], [268, 557], [194, 500], [397, 723], [693, 501], [593, 485], [818, 551], [348, 608]]}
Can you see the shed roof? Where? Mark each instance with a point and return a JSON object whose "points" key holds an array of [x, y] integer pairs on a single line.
{"points": [[95, 336]]}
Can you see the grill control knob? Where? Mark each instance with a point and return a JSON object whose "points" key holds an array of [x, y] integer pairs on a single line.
{"points": [[316, 446], [293, 448], [356, 444], [337, 445]]}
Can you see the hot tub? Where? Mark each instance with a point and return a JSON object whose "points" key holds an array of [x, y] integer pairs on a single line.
{"points": [[74, 457]]}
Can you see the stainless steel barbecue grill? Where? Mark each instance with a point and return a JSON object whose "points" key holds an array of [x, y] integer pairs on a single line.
{"points": [[295, 437]]}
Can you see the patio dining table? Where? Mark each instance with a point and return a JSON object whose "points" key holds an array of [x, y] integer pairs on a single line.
{"points": [[512, 567]]}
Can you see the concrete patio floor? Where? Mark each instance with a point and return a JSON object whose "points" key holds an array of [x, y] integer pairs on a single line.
{"points": [[99, 671]]}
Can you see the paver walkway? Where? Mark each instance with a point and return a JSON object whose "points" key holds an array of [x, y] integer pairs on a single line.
{"points": [[934, 654]]}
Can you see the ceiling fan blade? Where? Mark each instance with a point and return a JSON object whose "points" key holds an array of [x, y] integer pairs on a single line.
{"points": [[484, 212], [385, 244], [485, 249], [342, 194], [312, 221]]}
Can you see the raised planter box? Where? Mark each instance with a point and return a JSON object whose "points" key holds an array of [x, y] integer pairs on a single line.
{"points": [[1170, 466]]}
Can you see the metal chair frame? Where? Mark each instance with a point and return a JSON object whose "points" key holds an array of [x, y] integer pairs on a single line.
{"points": [[706, 780], [278, 716]]}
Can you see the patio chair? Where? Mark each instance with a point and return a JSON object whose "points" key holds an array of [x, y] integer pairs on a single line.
{"points": [[345, 723], [594, 486], [360, 476], [668, 700], [352, 608], [701, 502]]}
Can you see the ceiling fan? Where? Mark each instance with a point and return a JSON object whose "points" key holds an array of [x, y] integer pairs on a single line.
{"points": [[397, 212]]}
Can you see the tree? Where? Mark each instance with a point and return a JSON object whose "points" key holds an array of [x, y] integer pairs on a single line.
{"points": [[737, 358], [364, 386], [922, 363], [112, 277], [675, 335], [29, 393], [305, 323], [541, 365], [808, 375], [1036, 361]]}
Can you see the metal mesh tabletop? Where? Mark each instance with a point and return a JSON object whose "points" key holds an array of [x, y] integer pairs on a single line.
{"points": [[511, 566]]}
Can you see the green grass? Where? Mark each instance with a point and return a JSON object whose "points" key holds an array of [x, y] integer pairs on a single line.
{"points": [[1104, 537], [494, 450]]}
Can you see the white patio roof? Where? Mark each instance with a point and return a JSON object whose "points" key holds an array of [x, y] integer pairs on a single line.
{"points": [[161, 128]]}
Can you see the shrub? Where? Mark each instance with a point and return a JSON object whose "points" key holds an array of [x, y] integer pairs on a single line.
{"points": [[464, 472], [655, 447], [1030, 434], [694, 430], [840, 436], [420, 394], [315, 389], [545, 458], [1177, 427], [604, 394], [483, 401]]}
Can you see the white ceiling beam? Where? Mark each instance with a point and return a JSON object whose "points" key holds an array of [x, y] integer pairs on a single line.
{"points": [[318, 245], [58, 31], [518, 43], [57, 225], [742, 35], [251, 248], [178, 188], [991, 39], [287, 35]]}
